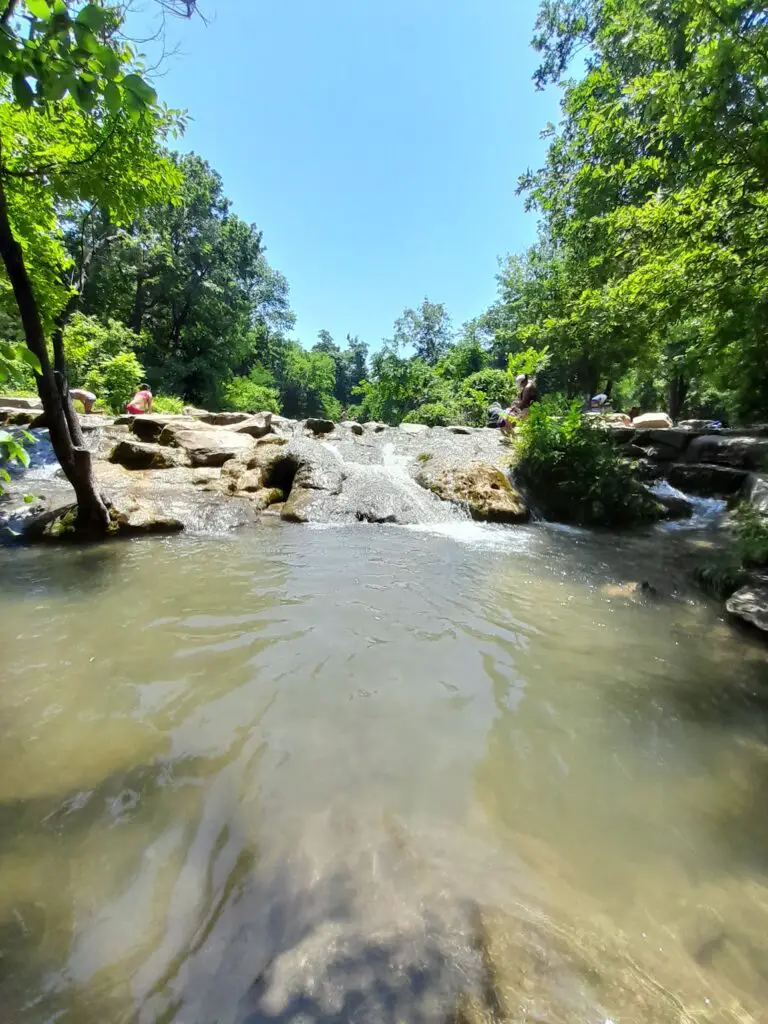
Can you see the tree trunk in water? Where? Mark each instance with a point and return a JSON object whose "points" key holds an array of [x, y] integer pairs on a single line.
{"points": [[74, 457]]}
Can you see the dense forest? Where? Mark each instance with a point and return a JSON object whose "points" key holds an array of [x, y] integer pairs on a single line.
{"points": [[125, 260]]}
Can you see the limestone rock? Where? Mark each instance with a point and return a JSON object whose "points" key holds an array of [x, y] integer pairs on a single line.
{"points": [[482, 488], [263, 497], [375, 427], [674, 439], [224, 419], [298, 507], [459, 429], [9, 402], [131, 516], [319, 426], [354, 427], [141, 455], [194, 413], [739, 452], [695, 424], [413, 428], [651, 419], [149, 427], [707, 480], [12, 416], [206, 446], [256, 426], [750, 603]]}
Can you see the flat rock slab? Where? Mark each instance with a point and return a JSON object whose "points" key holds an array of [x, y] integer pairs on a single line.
{"points": [[223, 419], [670, 437], [10, 402], [413, 428], [131, 517], [750, 604], [206, 446], [483, 489]]}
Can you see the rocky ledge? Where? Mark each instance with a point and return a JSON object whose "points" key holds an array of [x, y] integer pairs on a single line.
{"points": [[216, 471]]}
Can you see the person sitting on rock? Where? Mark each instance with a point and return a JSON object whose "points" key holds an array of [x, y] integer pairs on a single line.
{"points": [[86, 397], [141, 401]]}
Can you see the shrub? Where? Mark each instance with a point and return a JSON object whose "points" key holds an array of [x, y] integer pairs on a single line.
{"points": [[251, 394], [751, 535], [574, 471], [169, 405], [115, 381], [433, 414]]}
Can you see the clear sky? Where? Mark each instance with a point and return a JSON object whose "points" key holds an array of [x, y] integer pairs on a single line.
{"points": [[376, 143]]}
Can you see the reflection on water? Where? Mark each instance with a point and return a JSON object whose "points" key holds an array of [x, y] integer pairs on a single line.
{"points": [[378, 775]]}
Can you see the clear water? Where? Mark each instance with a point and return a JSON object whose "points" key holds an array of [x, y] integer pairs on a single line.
{"points": [[348, 774]]}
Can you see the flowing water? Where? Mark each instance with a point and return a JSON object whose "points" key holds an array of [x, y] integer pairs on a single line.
{"points": [[375, 773]]}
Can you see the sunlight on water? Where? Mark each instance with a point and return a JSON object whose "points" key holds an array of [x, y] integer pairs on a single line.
{"points": [[374, 774]]}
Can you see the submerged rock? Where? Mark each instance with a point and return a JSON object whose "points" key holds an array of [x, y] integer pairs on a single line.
{"points": [[750, 603], [142, 455], [483, 489], [130, 516]]}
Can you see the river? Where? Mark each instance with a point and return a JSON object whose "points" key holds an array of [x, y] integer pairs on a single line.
{"points": [[328, 774]]}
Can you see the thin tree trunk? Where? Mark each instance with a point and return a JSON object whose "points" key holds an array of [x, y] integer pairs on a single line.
{"points": [[74, 458], [678, 390], [60, 371]]}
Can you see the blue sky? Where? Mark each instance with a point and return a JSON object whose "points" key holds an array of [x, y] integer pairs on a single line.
{"points": [[376, 143]]}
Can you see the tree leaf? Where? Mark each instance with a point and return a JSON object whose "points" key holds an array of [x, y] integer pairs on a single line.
{"points": [[95, 17], [22, 91], [30, 359], [139, 88], [40, 9], [113, 97]]}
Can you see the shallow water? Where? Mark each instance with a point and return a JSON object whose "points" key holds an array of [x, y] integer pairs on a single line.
{"points": [[346, 774]]}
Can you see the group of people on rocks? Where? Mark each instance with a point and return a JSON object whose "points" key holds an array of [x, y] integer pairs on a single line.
{"points": [[139, 404], [507, 419]]}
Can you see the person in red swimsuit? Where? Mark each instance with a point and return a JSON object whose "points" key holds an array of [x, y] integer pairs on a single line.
{"points": [[141, 401]]}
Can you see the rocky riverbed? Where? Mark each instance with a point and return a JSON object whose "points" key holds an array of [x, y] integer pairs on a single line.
{"points": [[211, 472]]}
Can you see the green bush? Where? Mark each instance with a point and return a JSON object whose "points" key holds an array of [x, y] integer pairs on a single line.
{"points": [[250, 394], [575, 474], [169, 405], [116, 380], [751, 535], [433, 414]]}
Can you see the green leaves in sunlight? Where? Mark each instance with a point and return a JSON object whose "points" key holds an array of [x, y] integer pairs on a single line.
{"points": [[63, 49]]}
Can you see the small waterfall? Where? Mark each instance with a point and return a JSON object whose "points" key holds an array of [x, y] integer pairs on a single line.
{"points": [[706, 511]]}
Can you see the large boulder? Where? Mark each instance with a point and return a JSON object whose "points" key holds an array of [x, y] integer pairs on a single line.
{"points": [[298, 507], [256, 426], [651, 420], [674, 439], [707, 480], [319, 426], [750, 603], [149, 426], [755, 491], [740, 452], [206, 446], [481, 488], [141, 455]]}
